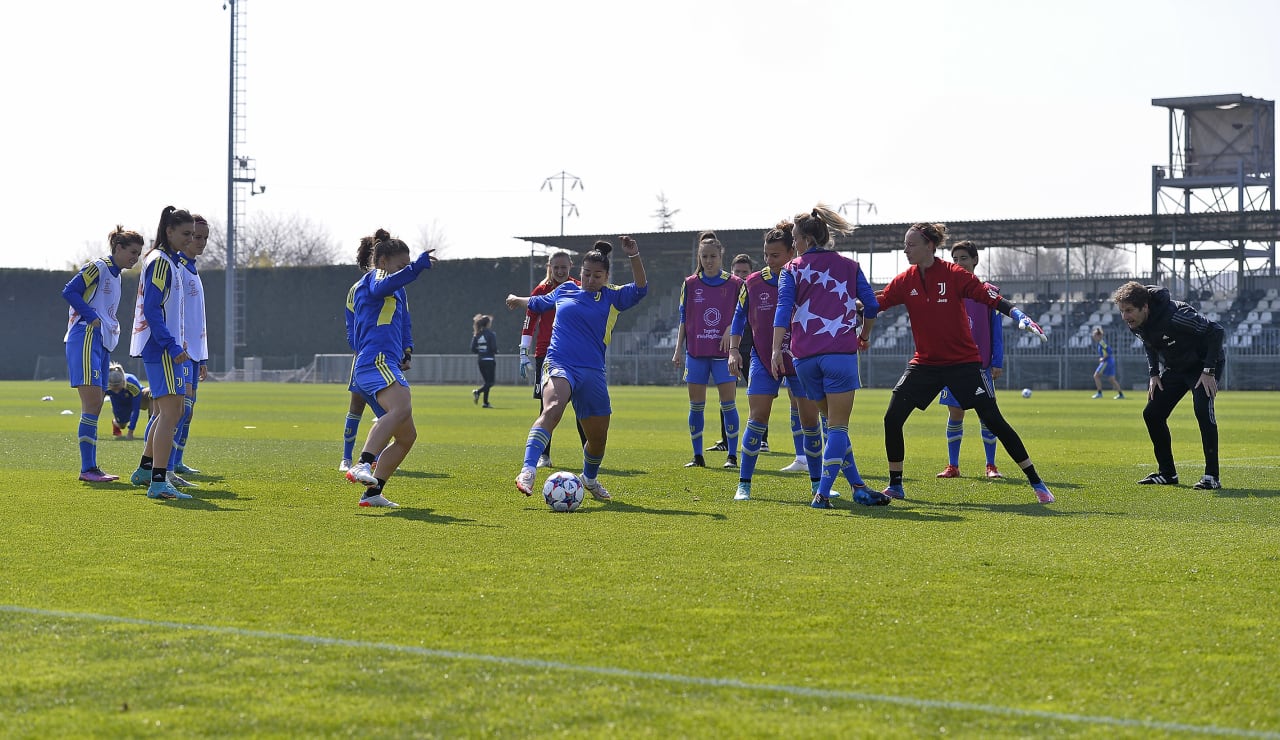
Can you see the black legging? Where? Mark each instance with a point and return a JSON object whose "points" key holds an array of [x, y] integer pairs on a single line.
{"points": [[988, 412], [1156, 415], [488, 371]]}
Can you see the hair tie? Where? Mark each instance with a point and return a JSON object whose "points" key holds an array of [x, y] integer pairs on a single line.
{"points": [[814, 213]]}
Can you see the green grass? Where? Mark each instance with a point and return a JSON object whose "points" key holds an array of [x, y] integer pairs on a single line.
{"points": [[272, 605]]}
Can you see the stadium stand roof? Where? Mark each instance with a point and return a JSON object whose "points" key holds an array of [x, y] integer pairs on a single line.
{"points": [[1159, 231]]}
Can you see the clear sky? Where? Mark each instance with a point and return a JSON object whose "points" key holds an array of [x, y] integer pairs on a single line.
{"points": [[386, 113]]}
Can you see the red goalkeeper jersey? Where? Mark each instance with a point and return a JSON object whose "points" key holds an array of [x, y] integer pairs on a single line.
{"points": [[934, 298]]}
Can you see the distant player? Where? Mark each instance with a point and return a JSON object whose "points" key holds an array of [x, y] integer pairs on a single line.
{"points": [[383, 354], [535, 337], [707, 302], [358, 401], [988, 334], [575, 367], [757, 303], [158, 327], [196, 334], [818, 295], [741, 267], [1106, 365], [1184, 354], [485, 345], [128, 399], [946, 355], [93, 330]]}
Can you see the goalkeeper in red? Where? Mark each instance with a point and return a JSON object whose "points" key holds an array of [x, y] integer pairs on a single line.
{"points": [[933, 290]]}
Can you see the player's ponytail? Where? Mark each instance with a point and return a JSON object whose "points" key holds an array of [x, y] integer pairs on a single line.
{"points": [[169, 218], [364, 253], [599, 254], [386, 245], [935, 234], [819, 224], [781, 233]]}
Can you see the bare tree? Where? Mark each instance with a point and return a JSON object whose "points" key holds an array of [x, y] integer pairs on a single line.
{"points": [[432, 236], [664, 213], [274, 240], [1087, 259]]}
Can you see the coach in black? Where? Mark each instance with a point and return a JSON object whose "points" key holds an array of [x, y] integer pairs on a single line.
{"points": [[1184, 353]]}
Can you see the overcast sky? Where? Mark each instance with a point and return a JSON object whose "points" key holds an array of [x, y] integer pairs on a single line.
{"points": [[385, 113]]}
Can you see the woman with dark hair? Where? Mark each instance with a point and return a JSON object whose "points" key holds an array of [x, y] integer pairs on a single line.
{"points": [[707, 301], [197, 343], [757, 304], [358, 401], [384, 349], [485, 345], [159, 339], [575, 365], [93, 330]]}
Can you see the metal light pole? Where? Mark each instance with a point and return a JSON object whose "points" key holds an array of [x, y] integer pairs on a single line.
{"points": [[567, 181], [858, 204]]}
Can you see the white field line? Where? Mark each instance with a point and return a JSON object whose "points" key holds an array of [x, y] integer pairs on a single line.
{"points": [[673, 678]]}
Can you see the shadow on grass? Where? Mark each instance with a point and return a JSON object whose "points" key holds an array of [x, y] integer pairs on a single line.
{"points": [[416, 514], [620, 506], [195, 503], [1243, 493], [402, 473], [894, 510]]}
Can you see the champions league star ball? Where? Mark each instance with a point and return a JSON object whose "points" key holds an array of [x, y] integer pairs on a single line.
{"points": [[1026, 393], [563, 491]]}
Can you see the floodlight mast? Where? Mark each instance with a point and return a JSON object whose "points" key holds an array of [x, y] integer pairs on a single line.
{"points": [[567, 181], [858, 204], [241, 170]]}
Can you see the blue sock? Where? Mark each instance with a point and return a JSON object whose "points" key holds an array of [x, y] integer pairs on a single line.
{"points": [[537, 442], [850, 469], [955, 433], [349, 435], [731, 421], [88, 433], [590, 465], [797, 432], [176, 452], [696, 421], [813, 451], [190, 407], [751, 448], [833, 456], [989, 441]]}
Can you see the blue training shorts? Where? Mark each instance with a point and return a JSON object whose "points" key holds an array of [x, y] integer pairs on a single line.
{"points": [[87, 359], [946, 399], [166, 377], [1106, 368], [823, 375], [588, 389], [760, 382], [707, 370], [372, 377]]}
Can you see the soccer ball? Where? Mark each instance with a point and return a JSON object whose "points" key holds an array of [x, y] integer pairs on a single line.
{"points": [[563, 491], [1026, 393]]}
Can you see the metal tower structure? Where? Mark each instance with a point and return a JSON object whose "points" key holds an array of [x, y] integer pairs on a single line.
{"points": [[1221, 160], [241, 178]]}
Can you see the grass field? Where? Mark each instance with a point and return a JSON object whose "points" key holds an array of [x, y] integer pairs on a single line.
{"points": [[272, 605]]}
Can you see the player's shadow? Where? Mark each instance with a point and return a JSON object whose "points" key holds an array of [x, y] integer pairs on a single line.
{"points": [[619, 506], [893, 510], [189, 504], [425, 515], [1243, 493], [622, 472], [1025, 508], [402, 473]]}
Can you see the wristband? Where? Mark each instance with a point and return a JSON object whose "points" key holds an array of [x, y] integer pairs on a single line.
{"points": [[633, 256]]}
